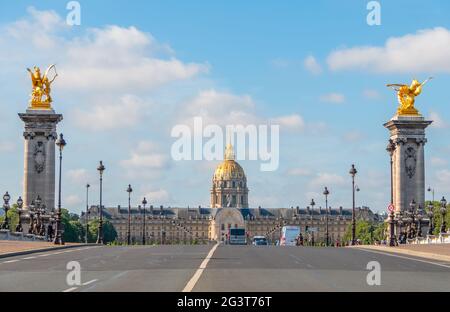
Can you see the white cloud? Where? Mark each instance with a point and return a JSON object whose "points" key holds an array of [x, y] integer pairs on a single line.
{"points": [[157, 197], [280, 63], [145, 156], [79, 176], [290, 122], [425, 51], [438, 162], [121, 58], [107, 116], [327, 179], [299, 172], [438, 122], [111, 59], [221, 108], [371, 94], [353, 136], [312, 65], [336, 98], [6, 146], [72, 200]]}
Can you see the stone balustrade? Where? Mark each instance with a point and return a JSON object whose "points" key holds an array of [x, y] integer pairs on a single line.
{"points": [[20, 236]]}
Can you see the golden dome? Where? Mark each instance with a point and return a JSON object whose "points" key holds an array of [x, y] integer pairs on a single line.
{"points": [[229, 168]]}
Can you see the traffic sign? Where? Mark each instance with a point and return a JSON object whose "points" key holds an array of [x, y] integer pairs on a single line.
{"points": [[391, 208]]}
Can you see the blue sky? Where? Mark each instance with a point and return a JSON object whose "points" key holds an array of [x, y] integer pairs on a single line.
{"points": [[134, 69]]}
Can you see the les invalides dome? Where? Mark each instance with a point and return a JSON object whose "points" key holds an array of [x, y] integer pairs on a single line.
{"points": [[229, 183]]}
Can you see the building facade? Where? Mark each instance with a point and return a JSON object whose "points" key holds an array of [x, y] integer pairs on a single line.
{"points": [[229, 209]]}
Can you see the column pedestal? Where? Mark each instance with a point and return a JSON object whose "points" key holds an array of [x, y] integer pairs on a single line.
{"points": [[408, 135], [39, 158]]}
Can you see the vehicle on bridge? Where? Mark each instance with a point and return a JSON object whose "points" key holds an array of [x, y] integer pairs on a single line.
{"points": [[260, 241], [289, 235], [237, 236]]}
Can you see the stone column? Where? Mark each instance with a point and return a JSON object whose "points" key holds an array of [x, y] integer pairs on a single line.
{"points": [[408, 133], [39, 156]]}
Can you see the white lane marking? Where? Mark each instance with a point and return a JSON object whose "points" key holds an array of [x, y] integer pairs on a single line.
{"points": [[70, 289], [11, 261], [44, 255], [190, 285], [403, 257], [90, 282], [29, 258]]}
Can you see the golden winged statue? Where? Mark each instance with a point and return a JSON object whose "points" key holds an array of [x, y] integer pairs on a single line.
{"points": [[406, 96], [41, 87]]}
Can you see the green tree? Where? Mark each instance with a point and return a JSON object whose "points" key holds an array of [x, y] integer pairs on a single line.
{"points": [[367, 232], [437, 216], [13, 217], [109, 232], [73, 229]]}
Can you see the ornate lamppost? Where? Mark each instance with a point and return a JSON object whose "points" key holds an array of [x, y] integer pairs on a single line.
{"points": [[19, 210], [86, 218], [353, 172], [31, 228], [313, 203], [60, 142], [326, 193], [432, 192], [391, 149], [100, 169], [431, 217], [37, 208], [443, 214], [419, 216], [129, 190], [411, 219], [6, 198], [144, 202]]}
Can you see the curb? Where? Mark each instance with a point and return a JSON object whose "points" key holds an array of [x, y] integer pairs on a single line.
{"points": [[427, 255], [27, 252]]}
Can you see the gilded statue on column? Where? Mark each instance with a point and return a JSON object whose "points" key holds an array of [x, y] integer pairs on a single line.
{"points": [[41, 87], [406, 96]]}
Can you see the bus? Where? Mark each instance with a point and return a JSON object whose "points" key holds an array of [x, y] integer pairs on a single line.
{"points": [[237, 236], [289, 235]]}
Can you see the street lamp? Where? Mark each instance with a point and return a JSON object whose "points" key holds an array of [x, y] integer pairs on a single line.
{"points": [[391, 149], [313, 203], [37, 211], [19, 209], [443, 213], [431, 217], [60, 142], [353, 172], [6, 198], [100, 169], [86, 218], [432, 191], [31, 228], [412, 209], [419, 215], [144, 202], [326, 193], [129, 190]]}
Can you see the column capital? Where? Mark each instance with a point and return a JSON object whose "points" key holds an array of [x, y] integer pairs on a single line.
{"points": [[29, 135]]}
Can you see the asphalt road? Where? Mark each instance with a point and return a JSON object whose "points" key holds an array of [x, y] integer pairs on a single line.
{"points": [[225, 268]]}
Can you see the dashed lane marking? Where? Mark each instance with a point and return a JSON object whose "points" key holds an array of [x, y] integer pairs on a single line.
{"points": [[90, 282], [70, 289]]}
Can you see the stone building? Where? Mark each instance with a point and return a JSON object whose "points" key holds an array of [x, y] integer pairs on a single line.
{"points": [[229, 209]]}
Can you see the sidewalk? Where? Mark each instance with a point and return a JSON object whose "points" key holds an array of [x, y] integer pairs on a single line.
{"points": [[440, 252], [11, 248]]}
